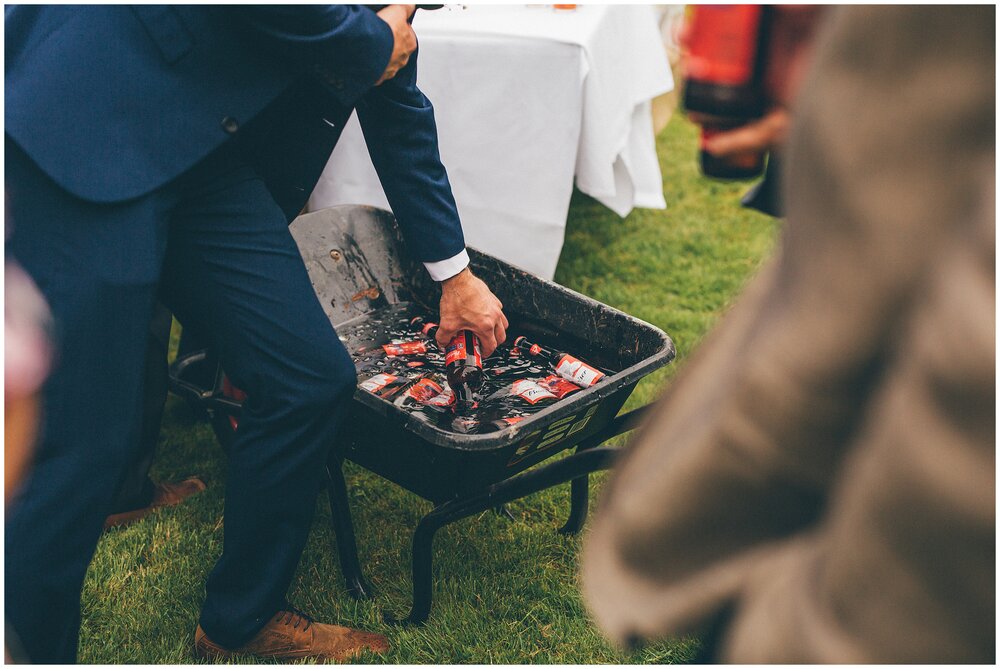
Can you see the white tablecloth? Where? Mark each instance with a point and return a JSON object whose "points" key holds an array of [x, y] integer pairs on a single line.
{"points": [[526, 99]]}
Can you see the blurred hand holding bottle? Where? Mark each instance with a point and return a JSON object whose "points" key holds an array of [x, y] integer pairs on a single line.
{"points": [[742, 66]]}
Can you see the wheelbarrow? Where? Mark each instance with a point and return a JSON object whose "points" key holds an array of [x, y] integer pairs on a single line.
{"points": [[359, 266]]}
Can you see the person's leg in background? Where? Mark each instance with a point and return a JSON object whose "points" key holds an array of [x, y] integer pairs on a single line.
{"points": [[235, 273], [97, 266], [138, 494]]}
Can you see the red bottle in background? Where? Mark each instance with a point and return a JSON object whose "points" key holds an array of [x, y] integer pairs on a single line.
{"points": [[725, 49], [463, 363]]}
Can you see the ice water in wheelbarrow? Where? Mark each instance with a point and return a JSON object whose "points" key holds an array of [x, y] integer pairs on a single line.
{"points": [[397, 359]]}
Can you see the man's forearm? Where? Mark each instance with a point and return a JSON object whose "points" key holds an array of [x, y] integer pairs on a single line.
{"points": [[401, 135]]}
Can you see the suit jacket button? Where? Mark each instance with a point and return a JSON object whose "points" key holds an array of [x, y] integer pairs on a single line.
{"points": [[230, 125]]}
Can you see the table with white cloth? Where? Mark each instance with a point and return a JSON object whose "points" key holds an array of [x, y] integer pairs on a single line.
{"points": [[527, 98]]}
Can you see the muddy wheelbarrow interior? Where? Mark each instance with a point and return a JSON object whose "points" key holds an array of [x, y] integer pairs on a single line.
{"points": [[359, 267]]}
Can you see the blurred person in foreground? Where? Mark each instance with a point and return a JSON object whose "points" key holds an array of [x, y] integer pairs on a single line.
{"points": [[27, 360], [818, 484], [160, 151]]}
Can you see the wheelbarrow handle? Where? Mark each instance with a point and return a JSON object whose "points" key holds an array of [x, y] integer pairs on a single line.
{"points": [[619, 425], [627, 421]]}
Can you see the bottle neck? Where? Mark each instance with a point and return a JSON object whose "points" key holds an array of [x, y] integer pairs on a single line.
{"points": [[537, 350], [427, 329]]}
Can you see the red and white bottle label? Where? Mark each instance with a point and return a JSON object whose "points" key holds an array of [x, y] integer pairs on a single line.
{"points": [[558, 386], [577, 371], [443, 399], [531, 392], [424, 390], [405, 348], [464, 347], [377, 382]]}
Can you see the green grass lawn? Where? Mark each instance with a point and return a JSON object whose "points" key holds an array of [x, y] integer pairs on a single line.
{"points": [[504, 592]]}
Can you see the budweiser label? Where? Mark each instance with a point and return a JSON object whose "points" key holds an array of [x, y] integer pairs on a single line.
{"points": [[459, 347], [443, 399], [530, 391], [377, 382], [424, 390], [577, 371], [558, 386], [405, 348]]}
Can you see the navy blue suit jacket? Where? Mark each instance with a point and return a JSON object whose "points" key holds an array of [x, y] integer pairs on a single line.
{"points": [[113, 102]]}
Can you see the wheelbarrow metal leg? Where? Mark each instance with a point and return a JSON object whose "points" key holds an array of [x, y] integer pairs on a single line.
{"points": [[580, 487], [423, 561], [571, 468], [579, 498], [343, 529]]}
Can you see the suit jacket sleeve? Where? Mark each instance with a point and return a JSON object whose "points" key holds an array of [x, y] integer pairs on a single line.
{"points": [[399, 129], [732, 485]]}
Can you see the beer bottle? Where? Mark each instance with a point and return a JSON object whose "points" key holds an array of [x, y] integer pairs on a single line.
{"points": [[531, 392], [724, 77], [463, 363], [424, 391], [565, 365], [404, 348], [426, 328], [384, 385]]}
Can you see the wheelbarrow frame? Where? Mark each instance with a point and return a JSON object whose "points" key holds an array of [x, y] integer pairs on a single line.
{"points": [[368, 240], [576, 469]]}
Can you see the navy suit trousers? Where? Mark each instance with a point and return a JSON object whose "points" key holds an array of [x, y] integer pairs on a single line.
{"points": [[216, 246]]}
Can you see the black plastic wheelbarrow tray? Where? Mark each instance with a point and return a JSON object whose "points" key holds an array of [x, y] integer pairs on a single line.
{"points": [[358, 265]]}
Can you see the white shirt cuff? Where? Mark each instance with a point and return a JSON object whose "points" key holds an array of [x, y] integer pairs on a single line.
{"points": [[445, 269]]}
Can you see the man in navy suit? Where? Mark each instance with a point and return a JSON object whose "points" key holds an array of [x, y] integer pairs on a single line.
{"points": [[161, 150]]}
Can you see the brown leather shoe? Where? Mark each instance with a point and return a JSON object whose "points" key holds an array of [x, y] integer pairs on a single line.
{"points": [[165, 494], [292, 635]]}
